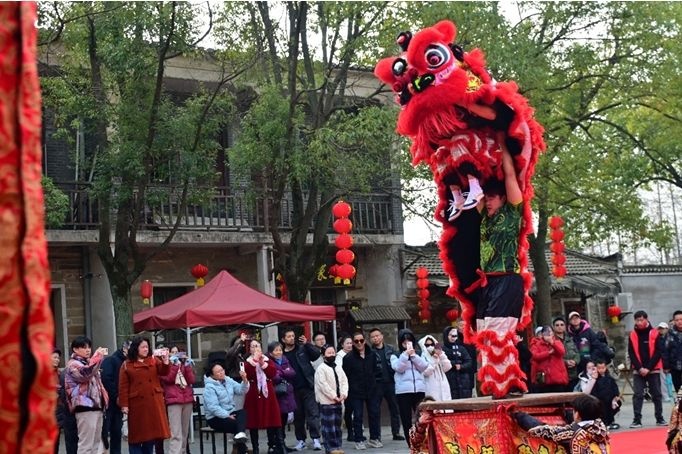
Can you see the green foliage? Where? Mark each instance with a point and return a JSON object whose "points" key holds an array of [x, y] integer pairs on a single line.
{"points": [[56, 204]]}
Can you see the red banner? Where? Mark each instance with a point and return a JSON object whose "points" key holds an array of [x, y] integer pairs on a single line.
{"points": [[490, 432]]}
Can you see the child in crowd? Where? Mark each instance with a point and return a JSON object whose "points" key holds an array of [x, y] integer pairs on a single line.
{"points": [[586, 434], [606, 390]]}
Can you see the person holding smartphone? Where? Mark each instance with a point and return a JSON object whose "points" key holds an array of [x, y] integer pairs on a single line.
{"points": [[409, 370], [548, 372], [436, 382], [141, 397], [261, 404], [221, 413], [86, 396]]}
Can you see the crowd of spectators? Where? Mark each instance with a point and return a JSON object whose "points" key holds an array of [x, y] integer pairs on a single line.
{"points": [[323, 388]]}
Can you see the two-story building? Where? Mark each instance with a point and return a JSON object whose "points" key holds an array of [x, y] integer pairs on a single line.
{"points": [[229, 232]]}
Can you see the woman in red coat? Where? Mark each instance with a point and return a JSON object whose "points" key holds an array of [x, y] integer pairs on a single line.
{"points": [[140, 396], [262, 408], [548, 370]]}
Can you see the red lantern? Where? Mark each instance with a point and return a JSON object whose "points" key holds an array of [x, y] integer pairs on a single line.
{"points": [[199, 272], [557, 235], [555, 222], [343, 225], [422, 272], [422, 283], [146, 288], [346, 272], [423, 293], [345, 256], [425, 315], [614, 312], [341, 209], [559, 271], [344, 241], [452, 315], [559, 259], [557, 248]]}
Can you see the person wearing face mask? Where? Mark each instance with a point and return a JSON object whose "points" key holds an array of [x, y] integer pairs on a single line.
{"points": [[331, 389], [460, 377], [436, 383]]}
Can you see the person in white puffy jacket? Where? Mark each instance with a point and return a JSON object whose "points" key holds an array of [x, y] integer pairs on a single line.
{"points": [[435, 381], [409, 370], [331, 390]]}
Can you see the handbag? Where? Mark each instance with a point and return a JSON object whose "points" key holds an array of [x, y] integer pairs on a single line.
{"points": [[282, 388], [180, 380]]}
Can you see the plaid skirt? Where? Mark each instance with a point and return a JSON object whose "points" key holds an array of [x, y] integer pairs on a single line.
{"points": [[330, 426]]}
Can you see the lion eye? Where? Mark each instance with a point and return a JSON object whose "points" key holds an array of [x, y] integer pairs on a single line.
{"points": [[437, 55], [399, 67]]}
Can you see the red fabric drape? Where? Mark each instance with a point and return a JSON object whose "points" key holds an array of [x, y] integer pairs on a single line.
{"points": [[27, 382]]}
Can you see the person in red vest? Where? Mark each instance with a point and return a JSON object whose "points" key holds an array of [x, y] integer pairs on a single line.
{"points": [[645, 348]]}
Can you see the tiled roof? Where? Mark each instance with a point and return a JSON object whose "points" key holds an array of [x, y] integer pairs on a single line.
{"points": [[577, 264], [379, 314], [652, 269]]}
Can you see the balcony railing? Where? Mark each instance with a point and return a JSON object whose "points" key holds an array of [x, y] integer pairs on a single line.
{"points": [[372, 213]]}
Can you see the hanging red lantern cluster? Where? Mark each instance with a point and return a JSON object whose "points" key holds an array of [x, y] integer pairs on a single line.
{"points": [[557, 247], [199, 272], [423, 294], [146, 288], [614, 312], [452, 315], [281, 287], [343, 271]]}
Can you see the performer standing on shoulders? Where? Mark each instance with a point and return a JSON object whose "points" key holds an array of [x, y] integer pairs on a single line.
{"points": [[501, 295]]}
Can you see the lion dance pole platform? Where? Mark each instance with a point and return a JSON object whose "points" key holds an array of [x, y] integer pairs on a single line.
{"points": [[484, 426]]}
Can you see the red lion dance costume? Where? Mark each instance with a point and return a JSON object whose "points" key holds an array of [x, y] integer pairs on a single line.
{"points": [[442, 91]]}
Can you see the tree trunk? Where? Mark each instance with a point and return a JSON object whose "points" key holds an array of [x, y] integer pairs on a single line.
{"points": [[543, 296], [123, 309]]}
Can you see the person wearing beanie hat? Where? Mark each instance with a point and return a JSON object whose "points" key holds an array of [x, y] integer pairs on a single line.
{"points": [[571, 355]]}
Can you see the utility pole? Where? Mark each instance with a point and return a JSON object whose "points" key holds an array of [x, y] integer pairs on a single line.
{"points": [[677, 233]]}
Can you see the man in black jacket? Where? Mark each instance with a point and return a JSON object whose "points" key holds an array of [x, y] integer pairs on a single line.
{"points": [[300, 357], [113, 417], [644, 349], [385, 381], [672, 353], [360, 366], [586, 341]]}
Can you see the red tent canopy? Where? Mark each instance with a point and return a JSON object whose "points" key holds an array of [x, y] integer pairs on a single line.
{"points": [[226, 301]]}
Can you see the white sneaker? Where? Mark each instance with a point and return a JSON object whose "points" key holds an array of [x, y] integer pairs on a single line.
{"points": [[300, 446], [240, 437], [472, 199], [375, 444], [360, 446], [317, 446]]}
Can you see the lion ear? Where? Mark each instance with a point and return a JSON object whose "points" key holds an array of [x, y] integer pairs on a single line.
{"points": [[384, 70], [447, 29]]}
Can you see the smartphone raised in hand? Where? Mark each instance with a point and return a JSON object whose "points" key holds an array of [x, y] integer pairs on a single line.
{"points": [[241, 366]]}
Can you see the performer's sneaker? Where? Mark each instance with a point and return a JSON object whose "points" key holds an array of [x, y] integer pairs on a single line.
{"points": [[456, 204], [661, 422], [398, 437], [636, 424], [472, 199]]}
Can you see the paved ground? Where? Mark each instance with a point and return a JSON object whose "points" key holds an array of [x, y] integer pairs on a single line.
{"points": [[624, 418]]}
